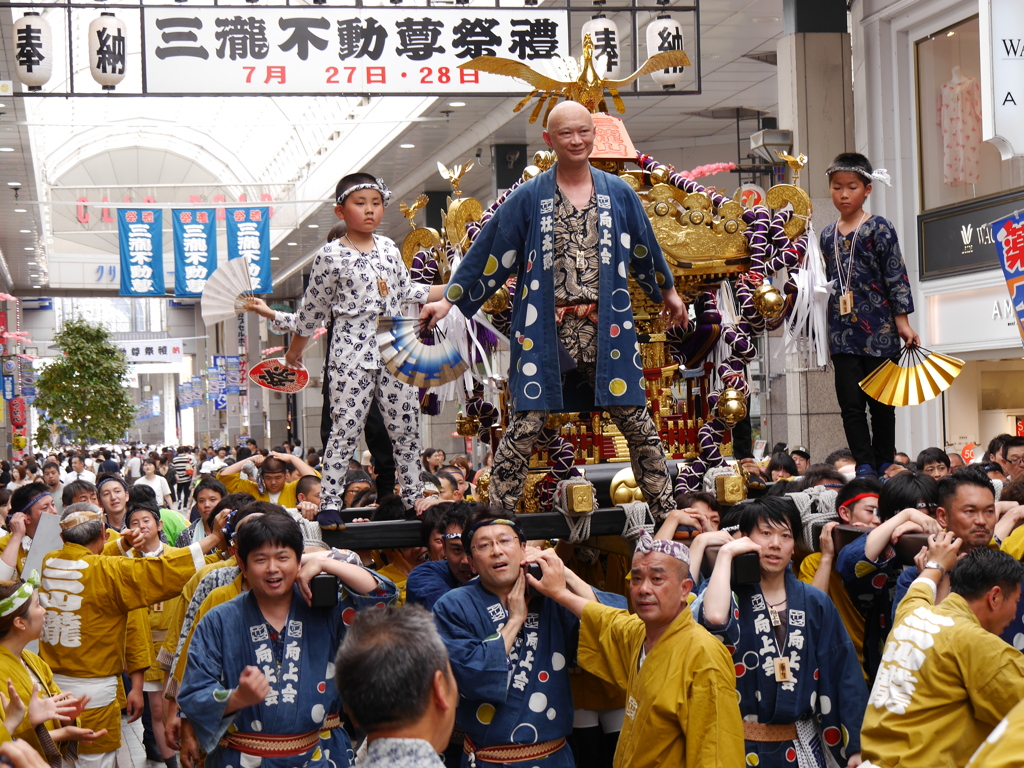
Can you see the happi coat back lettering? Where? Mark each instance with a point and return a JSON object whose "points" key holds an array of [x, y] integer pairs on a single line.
{"points": [[825, 695], [523, 697], [87, 599], [944, 683], [682, 708], [25, 673], [297, 724], [519, 239]]}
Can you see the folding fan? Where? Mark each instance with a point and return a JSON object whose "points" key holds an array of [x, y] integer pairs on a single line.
{"points": [[410, 358], [226, 291], [919, 375]]}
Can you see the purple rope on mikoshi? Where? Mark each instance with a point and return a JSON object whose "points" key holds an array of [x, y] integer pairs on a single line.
{"points": [[424, 267]]}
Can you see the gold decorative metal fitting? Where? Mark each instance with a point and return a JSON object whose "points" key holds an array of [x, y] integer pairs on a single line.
{"points": [[732, 407], [768, 301], [580, 81]]}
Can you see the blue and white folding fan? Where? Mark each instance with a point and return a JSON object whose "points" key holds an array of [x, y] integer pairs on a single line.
{"points": [[422, 361]]}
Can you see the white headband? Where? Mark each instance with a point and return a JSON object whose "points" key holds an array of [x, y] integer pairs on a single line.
{"points": [[379, 185], [880, 174]]}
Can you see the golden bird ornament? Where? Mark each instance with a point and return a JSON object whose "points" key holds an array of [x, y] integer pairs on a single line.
{"points": [[409, 211], [580, 81], [795, 163], [454, 175]]}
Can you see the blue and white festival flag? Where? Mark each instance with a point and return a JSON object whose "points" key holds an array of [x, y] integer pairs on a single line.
{"points": [[195, 249], [249, 238], [140, 233]]}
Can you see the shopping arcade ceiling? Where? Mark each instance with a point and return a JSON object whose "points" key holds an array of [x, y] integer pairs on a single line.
{"points": [[298, 147]]}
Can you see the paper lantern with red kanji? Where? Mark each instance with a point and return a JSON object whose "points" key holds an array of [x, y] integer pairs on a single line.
{"points": [[604, 34], [19, 412], [33, 50], [108, 54], [665, 34]]}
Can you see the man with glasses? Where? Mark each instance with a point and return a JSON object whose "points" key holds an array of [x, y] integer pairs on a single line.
{"points": [[510, 652], [1013, 456]]}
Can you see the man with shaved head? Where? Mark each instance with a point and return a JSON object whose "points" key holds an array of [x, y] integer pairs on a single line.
{"points": [[571, 236], [682, 708]]}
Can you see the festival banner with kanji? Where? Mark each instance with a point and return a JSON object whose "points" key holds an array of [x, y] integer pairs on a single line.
{"points": [[195, 249], [1008, 234], [249, 238], [344, 50], [140, 233]]}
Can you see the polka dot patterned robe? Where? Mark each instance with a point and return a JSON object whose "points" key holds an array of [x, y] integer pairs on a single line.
{"points": [[520, 238], [522, 697]]}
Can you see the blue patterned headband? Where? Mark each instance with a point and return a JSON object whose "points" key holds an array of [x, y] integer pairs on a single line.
{"points": [[379, 185], [33, 502]]}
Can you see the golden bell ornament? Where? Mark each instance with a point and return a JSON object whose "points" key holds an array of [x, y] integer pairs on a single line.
{"points": [[732, 407], [769, 301], [530, 171], [660, 175]]}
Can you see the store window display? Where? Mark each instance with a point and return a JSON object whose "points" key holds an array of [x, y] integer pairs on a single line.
{"points": [[956, 164]]}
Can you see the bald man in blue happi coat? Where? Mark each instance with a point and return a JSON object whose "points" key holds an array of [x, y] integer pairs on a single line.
{"points": [[572, 234]]}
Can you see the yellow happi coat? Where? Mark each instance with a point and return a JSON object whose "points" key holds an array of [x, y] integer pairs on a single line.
{"points": [[1004, 747], [944, 683], [158, 620], [88, 598], [848, 612], [682, 709], [219, 596], [169, 648], [24, 676]]}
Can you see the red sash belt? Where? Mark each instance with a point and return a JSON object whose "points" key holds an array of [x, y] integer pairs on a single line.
{"points": [[513, 753], [588, 311], [271, 745]]}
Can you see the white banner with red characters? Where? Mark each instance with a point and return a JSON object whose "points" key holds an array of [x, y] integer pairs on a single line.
{"points": [[254, 50], [1008, 234]]}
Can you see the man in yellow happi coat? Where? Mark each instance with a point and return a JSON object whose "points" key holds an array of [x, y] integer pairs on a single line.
{"points": [[946, 678], [273, 471], [682, 709], [1004, 747], [88, 597]]}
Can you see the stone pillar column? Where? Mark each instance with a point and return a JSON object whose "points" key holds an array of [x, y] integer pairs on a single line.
{"points": [[816, 104]]}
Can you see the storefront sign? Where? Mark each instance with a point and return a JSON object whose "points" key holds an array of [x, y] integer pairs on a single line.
{"points": [[152, 350], [959, 239], [1002, 75], [343, 50]]}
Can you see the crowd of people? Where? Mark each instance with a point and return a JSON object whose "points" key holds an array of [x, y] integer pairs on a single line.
{"points": [[727, 636], [863, 610]]}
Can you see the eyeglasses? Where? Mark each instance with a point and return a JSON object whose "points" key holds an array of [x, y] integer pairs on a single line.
{"points": [[1016, 461], [505, 542]]}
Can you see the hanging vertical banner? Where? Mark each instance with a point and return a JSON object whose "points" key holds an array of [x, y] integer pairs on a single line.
{"points": [[197, 391], [1008, 234], [249, 239], [184, 396], [140, 233], [195, 249]]}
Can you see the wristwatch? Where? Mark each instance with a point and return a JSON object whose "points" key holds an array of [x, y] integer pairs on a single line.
{"points": [[936, 566]]}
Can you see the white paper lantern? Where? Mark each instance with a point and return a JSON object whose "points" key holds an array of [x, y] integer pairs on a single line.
{"points": [[665, 34], [604, 34], [33, 50], [108, 50]]}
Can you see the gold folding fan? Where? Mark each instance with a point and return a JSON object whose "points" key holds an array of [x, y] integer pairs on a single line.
{"points": [[919, 375]]}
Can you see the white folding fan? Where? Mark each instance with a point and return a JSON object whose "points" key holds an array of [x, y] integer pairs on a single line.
{"points": [[226, 291]]}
